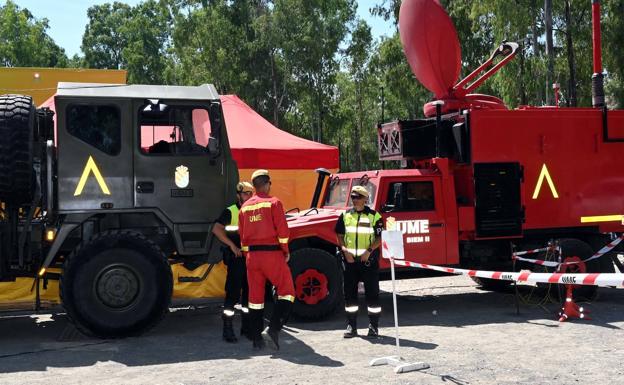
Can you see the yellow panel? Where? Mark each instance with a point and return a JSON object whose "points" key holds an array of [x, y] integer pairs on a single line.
{"points": [[41, 83], [294, 188], [21, 294], [213, 286]]}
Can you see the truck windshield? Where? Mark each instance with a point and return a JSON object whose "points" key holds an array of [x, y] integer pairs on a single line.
{"points": [[370, 187], [338, 193]]}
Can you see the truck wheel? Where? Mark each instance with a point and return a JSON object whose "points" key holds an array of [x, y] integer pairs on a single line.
{"points": [[492, 284], [17, 119], [574, 250], [116, 285], [318, 283]]}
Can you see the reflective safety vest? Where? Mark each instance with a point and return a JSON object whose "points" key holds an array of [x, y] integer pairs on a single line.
{"points": [[232, 227], [359, 230]]}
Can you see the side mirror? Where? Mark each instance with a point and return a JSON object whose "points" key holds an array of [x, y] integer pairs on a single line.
{"points": [[213, 147], [397, 195], [216, 122]]}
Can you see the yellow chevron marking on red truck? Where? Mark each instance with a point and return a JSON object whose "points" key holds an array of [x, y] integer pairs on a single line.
{"points": [[91, 167], [544, 174]]}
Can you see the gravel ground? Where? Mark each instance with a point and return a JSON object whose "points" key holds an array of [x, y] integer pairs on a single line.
{"points": [[466, 335]]}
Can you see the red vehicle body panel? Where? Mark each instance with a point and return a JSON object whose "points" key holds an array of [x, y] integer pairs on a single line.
{"points": [[583, 168]]}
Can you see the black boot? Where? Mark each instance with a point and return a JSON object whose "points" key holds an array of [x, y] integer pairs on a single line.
{"points": [[351, 326], [245, 326], [280, 315], [228, 331], [256, 322], [373, 326]]}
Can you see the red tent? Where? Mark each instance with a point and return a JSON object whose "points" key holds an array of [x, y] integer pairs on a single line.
{"points": [[255, 142]]}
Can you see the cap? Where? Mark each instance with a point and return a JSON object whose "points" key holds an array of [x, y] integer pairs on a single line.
{"points": [[244, 187], [258, 173], [360, 190]]}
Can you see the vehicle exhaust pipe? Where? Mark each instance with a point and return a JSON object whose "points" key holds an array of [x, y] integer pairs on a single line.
{"points": [[598, 96], [322, 174]]}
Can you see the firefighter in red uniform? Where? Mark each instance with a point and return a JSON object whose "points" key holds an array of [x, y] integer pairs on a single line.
{"points": [[264, 239]]}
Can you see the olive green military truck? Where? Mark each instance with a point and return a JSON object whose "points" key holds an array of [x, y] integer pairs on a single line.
{"points": [[126, 184]]}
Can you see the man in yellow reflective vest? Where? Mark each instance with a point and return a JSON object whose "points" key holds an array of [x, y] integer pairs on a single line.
{"points": [[359, 237], [236, 288]]}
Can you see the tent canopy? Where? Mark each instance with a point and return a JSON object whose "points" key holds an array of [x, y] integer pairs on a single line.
{"points": [[255, 142]]}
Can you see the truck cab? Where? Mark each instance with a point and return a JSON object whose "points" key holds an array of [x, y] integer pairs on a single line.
{"points": [[127, 182], [414, 200]]}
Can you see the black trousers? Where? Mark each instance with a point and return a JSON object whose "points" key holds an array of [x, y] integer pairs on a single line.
{"points": [[359, 272], [236, 287]]}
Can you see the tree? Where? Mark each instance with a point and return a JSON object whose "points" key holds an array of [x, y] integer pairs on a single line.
{"points": [[133, 38], [312, 31], [24, 41], [104, 37], [358, 54]]}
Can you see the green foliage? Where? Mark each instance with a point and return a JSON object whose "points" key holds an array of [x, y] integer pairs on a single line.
{"points": [[133, 38], [24, 41]]}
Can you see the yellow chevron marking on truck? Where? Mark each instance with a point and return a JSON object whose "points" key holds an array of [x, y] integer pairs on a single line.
{"points": [[91, 167], [544, 174], [603, 218]]}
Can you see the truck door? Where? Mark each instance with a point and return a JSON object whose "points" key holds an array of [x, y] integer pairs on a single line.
{"points": [[181, 167], [416, 206], [95, 154]]}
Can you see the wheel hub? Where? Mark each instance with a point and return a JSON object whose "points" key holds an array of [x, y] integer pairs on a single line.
{"points": [[117, 286], [311, 286]]}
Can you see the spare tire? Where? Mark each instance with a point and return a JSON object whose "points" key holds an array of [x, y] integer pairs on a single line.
{"points": [[17, 119]]}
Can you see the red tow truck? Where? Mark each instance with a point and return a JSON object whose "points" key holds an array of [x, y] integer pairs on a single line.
{"points": [[478, 180]]}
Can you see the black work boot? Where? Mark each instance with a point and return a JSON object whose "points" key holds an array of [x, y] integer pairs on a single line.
{"points": [[255, 327], [258, 344], [373, 326], [280, 315], [245, 326], [271, 338], [351, 326], [228, 331]]}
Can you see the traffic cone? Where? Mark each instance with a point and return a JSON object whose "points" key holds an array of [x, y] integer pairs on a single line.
{"points": [[571, 309]]}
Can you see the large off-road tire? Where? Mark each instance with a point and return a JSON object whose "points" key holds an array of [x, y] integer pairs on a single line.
{"points": [[577, 250], [116, 285], [318, 283], [17, 119]]}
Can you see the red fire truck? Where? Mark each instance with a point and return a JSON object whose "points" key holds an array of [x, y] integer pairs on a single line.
{"points": [[478, 179]]}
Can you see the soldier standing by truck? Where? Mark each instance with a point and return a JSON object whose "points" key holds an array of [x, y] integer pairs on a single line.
{"points": [[264, 239], [359, 237], [236, 287]]}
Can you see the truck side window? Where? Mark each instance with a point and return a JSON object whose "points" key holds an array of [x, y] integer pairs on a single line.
{"points": [[417, 196], [174, 130], [97, 125]]}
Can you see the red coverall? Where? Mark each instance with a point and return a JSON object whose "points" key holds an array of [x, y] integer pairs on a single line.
{"points": [[264, 239]]}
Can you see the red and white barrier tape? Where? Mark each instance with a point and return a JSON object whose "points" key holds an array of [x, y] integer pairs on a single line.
{"points": [[532, 251], [597, 255], [597, 279]]}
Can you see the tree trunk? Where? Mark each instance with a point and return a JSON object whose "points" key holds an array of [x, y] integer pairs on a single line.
{"points": [[521, 85], [539, 96], [275, 98], [320, 116], [550, 53], [357, 142], [571, 63]]}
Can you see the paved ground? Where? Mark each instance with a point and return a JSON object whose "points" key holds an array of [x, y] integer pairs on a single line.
{"points": [[467, 335]]}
